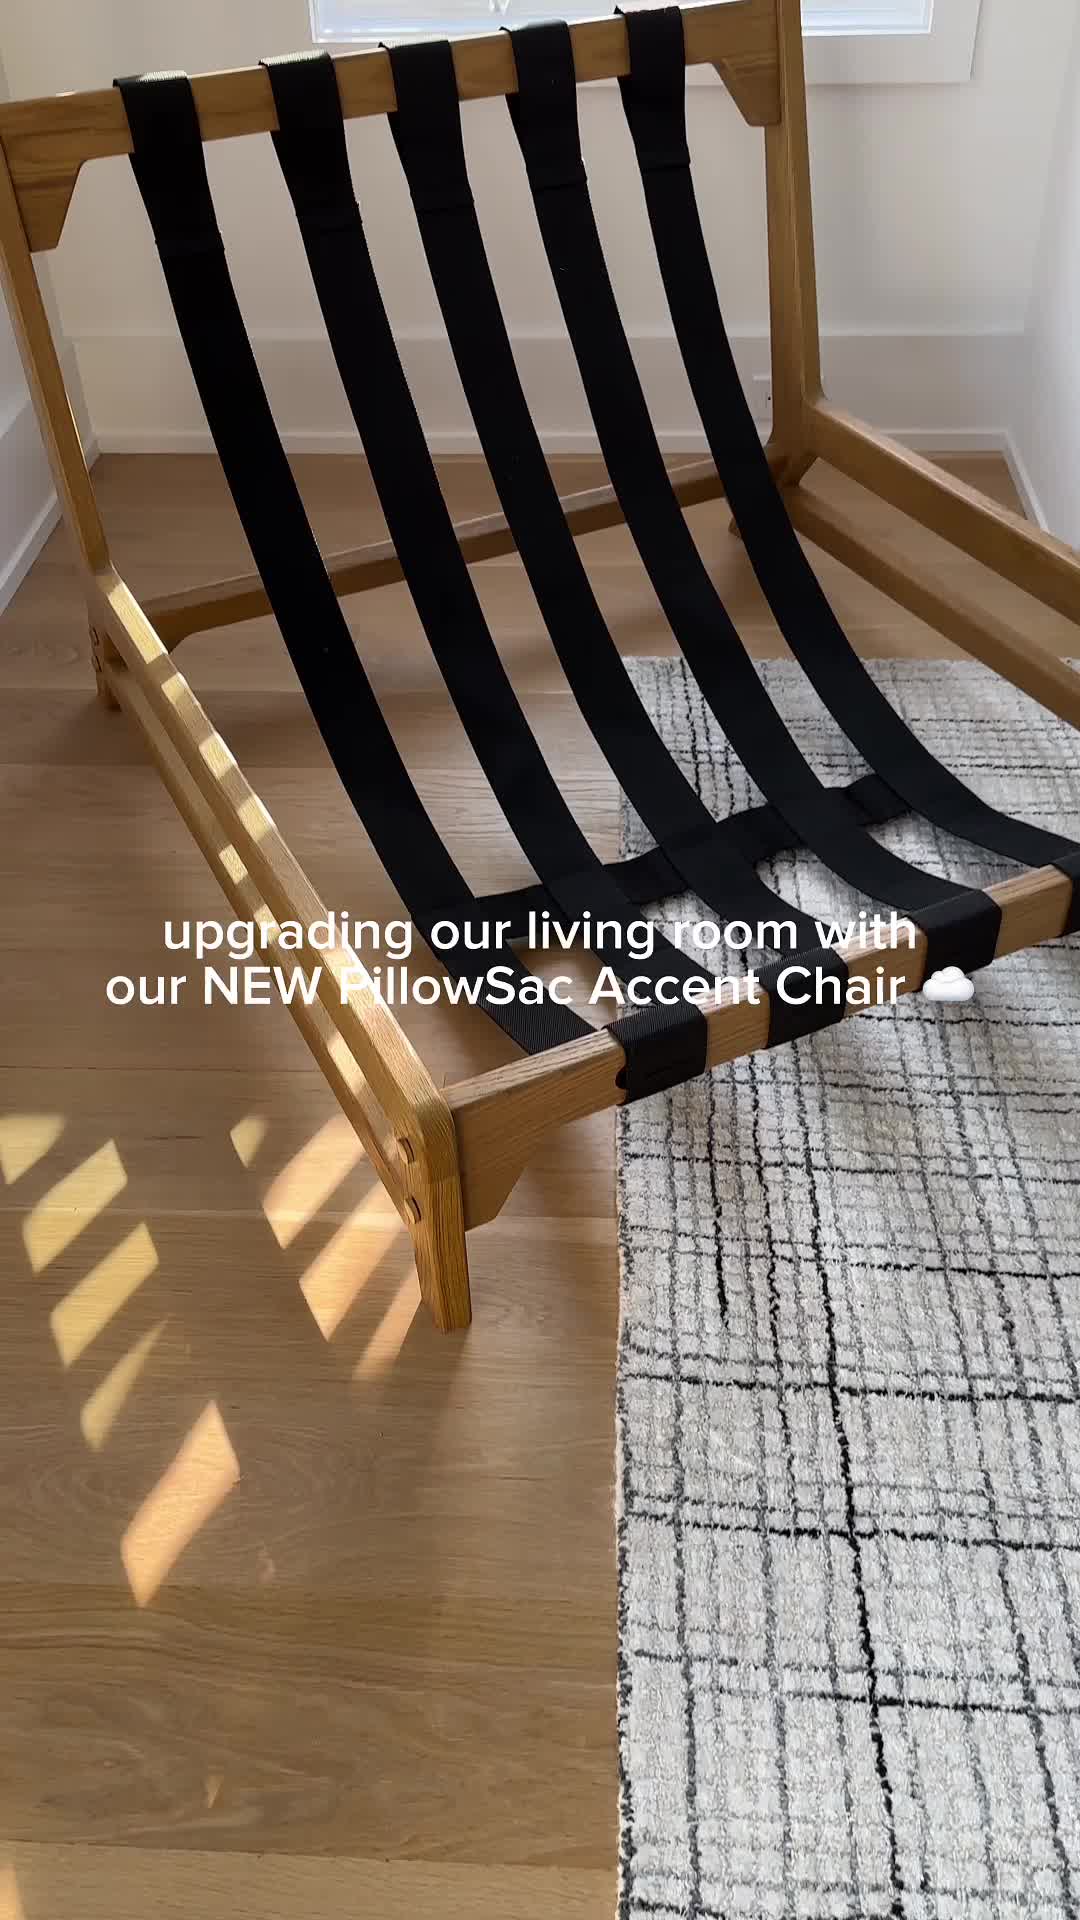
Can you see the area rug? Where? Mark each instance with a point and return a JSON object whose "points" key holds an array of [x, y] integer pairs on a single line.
{"points": [[848, 1452]]}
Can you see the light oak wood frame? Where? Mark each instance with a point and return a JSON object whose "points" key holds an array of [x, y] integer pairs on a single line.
{"points": [[449, 1158]]}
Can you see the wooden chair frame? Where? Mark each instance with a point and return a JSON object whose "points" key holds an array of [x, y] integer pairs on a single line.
{"points": [[449, 1158]]}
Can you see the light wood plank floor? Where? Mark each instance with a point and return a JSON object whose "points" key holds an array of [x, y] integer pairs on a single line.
{"points": [[304, 1609]]}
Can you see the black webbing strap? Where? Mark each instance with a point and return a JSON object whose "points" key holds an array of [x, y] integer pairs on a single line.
{"points": [[654, 96], [544, 114], [663, 1048], [806, 992], [708, 859], [170, 170], [310, 146]]}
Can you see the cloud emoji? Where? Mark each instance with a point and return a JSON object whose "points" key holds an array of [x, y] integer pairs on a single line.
{"points": [[950, 984]]}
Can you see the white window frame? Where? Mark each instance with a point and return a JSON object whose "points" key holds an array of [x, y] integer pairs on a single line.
{"points": [[889, 42], [847, 42]]}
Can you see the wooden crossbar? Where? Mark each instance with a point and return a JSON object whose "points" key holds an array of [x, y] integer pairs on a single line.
{"points": [[48, 141], [226, 602], [1021, 659], [1003, 541]]}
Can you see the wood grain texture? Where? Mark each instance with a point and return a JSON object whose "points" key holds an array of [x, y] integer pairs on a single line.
{"points": [[98, 1882], [376, 1671]]}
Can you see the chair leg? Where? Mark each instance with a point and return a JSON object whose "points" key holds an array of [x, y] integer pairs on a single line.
{"points": [[433, 1204], [442, 1263], [99, 652], [797, 467], [787, 472]]}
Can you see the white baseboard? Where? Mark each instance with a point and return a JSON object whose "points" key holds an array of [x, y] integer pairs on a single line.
{"points": [[1023, 482], [29, 509], [20, 560], [141, 396]]}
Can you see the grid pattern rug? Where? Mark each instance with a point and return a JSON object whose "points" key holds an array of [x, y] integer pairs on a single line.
{"points": [[849, 1406]]}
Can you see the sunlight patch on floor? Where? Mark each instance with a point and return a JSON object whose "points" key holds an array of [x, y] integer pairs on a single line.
{"points": [[11, 1907], [194, 1485], [340, 1271], [82, 1314], [71, 1204], [102, 1410], [389, 1336], [307, 1182], [247, 1137], [25, 1138]]}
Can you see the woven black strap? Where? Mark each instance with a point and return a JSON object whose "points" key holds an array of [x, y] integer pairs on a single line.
{"points": [[654, 96], [310, 146], [758, 833], [544, 113], [170, 170]]}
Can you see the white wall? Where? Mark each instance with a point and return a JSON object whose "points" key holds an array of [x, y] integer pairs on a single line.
{"points": [[1048, 425], [28, 507], [26, 495], [924, 201]]}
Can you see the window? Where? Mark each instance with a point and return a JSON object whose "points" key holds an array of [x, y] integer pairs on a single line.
{"points": [[366, 22], [847, 41], [889, 42], [866, 16]]}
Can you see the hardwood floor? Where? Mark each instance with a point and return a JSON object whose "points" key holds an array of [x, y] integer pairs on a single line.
{"points": [[304, 1608]]}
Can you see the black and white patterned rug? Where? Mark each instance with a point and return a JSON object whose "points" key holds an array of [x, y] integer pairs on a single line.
{"points": [[849, 1406]]}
